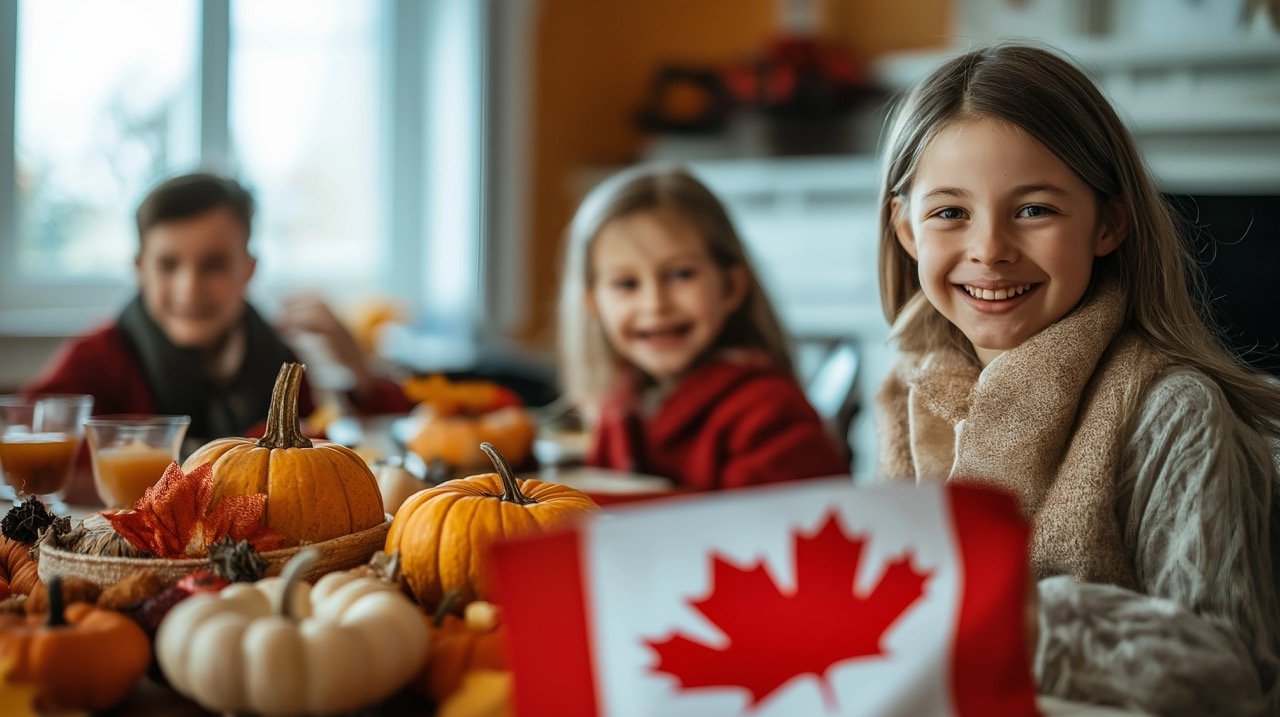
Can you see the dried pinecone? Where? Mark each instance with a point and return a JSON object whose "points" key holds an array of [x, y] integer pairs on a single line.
{"points": [[24, 522], [236, 561]]}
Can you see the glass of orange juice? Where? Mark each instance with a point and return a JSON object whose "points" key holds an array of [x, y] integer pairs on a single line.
{"points": [[39, 439], [130, 453]]}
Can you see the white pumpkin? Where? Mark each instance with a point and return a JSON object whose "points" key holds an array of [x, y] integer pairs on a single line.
{"points": [[345, 643]]}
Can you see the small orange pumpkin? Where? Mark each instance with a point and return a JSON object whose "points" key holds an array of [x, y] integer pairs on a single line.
{"points": [[455, 439], [460, 645], [455, 417], [442, 532], [314, 491], [17, 569], [77, 658]]}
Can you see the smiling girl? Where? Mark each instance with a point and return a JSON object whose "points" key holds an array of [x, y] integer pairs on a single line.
{"points": [[668, 337], [1038, 290]]}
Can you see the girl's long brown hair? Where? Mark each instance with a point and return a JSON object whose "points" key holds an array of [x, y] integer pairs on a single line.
{"points": [[1057, 104]]}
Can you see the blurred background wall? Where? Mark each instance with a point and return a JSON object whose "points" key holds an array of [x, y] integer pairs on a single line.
{"points": [[421, 159]]}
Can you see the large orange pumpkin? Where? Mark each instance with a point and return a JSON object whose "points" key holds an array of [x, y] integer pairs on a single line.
{"points": [[442, 532], [314, 491]]}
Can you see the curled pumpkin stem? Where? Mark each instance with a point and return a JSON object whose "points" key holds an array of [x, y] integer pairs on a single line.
{"points": [[510, 486], [282, 415], [292, 574]]}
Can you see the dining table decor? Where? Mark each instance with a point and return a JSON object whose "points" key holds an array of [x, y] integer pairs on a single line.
{"points": [[19, 530], [315, 490], [279, 646], [442, 533], [278, 494], [461, 645], [75, 655], [452, 419]]}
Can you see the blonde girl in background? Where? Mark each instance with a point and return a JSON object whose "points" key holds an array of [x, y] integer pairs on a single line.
{"points": [[1038, 293], [668, 338]]}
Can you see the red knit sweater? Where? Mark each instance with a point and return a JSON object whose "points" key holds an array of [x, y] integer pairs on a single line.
{"points": [[728, 423]]}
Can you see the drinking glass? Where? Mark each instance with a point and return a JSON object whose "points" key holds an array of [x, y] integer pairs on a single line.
{"points": [[39, 440], [130, 453]]}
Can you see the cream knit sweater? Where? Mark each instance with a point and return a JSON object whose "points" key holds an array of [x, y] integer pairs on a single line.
{"points": [[1200, 516], [1157, 519]]}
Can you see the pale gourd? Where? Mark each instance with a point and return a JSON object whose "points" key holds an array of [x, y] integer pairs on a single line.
{"points": [[279, 646]]}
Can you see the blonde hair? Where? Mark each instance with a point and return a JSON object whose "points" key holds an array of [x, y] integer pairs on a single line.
{"points": [[1057, 104], [589, 366]]}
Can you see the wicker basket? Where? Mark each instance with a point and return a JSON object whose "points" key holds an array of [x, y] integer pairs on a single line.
{"points": [[340, 553]]}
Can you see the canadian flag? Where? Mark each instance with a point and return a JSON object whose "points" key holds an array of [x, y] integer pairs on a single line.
{"points": [[813, 598]]}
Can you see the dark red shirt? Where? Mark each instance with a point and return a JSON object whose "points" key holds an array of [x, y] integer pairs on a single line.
{"points": [[102, 364], [728, 423]]}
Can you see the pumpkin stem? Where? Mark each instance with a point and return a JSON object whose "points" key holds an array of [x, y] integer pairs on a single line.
{"points": [[292, 574], [510, 487], [445, 607], [57, 609], [282, 415]]}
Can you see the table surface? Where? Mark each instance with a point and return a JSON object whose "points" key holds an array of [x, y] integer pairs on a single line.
{"points": [[153, 700]]}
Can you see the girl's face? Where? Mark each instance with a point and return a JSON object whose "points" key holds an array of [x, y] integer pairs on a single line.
{"points": [[657, 292], [1004, 233]]}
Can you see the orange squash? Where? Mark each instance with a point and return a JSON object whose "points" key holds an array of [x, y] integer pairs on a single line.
{"points": [[77, 658], [442, 532], [315, 491], [455, 439], [17, 569], [455, 417], [460, 645]]}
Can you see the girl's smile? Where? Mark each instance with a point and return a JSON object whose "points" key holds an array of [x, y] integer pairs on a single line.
{"points": [[996, 297]]}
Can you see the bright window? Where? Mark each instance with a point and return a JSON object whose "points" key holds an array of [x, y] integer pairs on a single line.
{"points": [[305, 100], [104, 108], [348, 120]]}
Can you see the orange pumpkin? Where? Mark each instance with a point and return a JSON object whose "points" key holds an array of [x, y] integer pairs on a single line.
{"points": [[442, 532], [455, 417], [455, 439], [77, 658], [17, 569], [460, 645], [314, 491]]}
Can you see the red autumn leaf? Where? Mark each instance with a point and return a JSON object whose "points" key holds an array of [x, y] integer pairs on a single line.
{"points": [[772, 636], [174, 518]]}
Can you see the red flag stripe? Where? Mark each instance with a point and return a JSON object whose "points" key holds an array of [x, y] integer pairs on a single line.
{"points": [[990, 667], [542, 576]]}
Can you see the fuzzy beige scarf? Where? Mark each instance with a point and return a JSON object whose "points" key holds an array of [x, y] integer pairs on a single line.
{"points": [[1045, 420]]}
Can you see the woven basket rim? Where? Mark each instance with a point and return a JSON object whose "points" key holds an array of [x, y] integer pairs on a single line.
{"points": [[339, 554], [384, 527]]}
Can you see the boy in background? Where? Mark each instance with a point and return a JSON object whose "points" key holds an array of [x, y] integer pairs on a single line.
{"points": [[190, 343]]}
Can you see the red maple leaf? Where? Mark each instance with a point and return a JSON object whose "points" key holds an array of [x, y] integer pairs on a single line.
{"points": [[174, 518], [774, 636]]}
